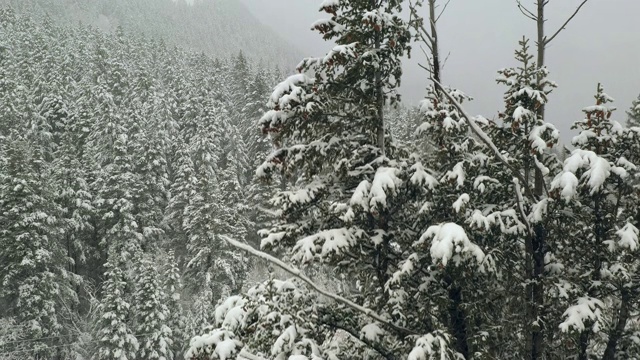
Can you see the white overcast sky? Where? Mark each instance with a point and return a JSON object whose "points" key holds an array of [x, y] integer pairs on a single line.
{"points": [[602, 44]]}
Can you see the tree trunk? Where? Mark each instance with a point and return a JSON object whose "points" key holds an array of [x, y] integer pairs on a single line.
{"points": [[379, 92], [458, 320], [538, 245], [618, 331], [435, 52]]}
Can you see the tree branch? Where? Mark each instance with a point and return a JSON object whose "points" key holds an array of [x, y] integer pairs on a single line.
{"points": [[443, 10], [526, 12], [297, 273], [516, 184], [547, 41], [422, 31]]}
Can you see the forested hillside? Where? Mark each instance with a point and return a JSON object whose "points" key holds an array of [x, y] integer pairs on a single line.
{"points": [[220, 28], [158, 203], [121, 161]]}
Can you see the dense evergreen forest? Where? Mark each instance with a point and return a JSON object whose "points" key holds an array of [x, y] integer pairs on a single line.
{"points": [[162, 203], [121, 160]]}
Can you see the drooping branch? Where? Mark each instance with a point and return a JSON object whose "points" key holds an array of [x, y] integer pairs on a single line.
{"points": [[298, 274], [548, 40]]}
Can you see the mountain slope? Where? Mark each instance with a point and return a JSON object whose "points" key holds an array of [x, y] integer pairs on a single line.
{"points": [[219, 28]]}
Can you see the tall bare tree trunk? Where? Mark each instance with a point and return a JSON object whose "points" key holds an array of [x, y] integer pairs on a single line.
{"points": [[538, 246], [616, 334], [435, 51], [379, 93]]}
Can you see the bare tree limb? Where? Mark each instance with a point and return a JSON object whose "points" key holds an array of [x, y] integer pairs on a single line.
{"points": [[526, 12], [297, 273], [443, 10], [426, 68], [444, 63], [429, 70], [547, 41]]}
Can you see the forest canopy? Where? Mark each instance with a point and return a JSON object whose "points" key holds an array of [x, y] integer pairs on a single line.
{"points": [[158, 202]]}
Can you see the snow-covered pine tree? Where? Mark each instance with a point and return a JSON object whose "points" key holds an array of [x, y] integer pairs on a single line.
{"points": [[149, 149], [150, 311], [73, 193], [202, 309], [349, 206], [330, 134], [633, 114], [207, 215], [176, 321], [523, 140], [595, 185], [31, 277], [465, 180], [117, 340]]}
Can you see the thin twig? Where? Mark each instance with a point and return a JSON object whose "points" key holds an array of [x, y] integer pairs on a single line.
{"points": [[444, 63]]}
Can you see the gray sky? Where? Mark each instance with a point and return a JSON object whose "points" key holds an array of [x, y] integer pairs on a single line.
{"points": [[602, 44]]}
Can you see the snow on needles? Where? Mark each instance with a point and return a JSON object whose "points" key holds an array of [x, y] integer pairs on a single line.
{"points": [[587, 309], [371, 332], [448, 240], [329, 4], [598, 171], [218, 344], [430, 345], [386, 179], [322, 244], [628, 237]]}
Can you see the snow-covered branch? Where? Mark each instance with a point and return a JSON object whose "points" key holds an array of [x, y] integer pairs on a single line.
{"points": [[297, 273], [244, 355]]}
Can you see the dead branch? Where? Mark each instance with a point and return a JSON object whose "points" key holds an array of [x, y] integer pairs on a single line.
{"points": [[547, 41]]}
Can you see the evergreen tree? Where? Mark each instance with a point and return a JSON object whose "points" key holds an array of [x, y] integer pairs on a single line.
{"points": [[633, 113], [176, 320], [348, 206], [32, 275], [115, 335], [151, 312]]}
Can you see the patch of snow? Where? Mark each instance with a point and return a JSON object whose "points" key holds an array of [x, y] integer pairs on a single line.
{"points": [[449, 239]]}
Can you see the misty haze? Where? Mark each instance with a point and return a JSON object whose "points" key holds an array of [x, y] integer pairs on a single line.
{"points": [[319, 179]]}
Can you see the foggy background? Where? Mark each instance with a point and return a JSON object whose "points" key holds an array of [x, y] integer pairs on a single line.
{"points": [[602, 44]]}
